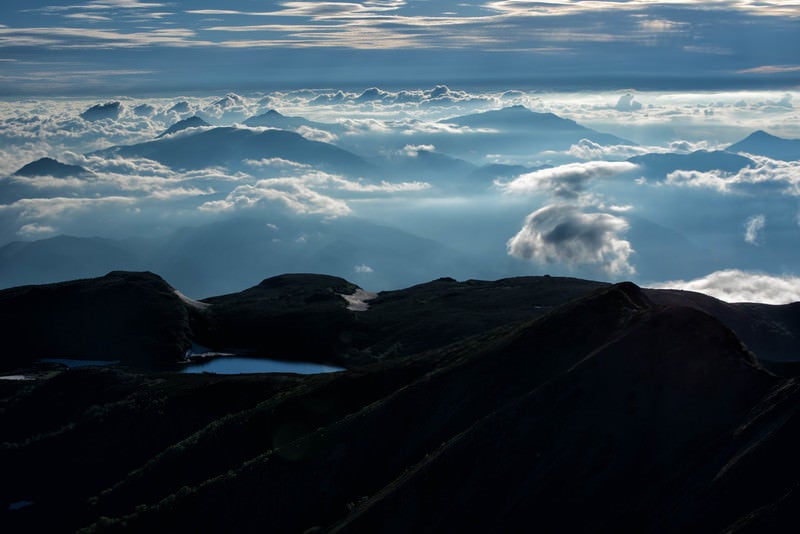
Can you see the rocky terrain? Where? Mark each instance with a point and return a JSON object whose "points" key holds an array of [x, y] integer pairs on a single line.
{"points": [[539, 402]]}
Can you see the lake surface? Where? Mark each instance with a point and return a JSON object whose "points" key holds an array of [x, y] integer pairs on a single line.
{"points": [[237, 365], [78, 363]]}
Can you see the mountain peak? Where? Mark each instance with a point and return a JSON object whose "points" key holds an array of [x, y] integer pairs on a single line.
{"points": [[109, 110], [761, 134], [191, 122], [51, 167], [765, 144]]}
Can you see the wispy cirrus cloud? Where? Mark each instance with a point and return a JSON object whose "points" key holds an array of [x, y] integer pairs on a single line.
{"points": [[771, 69], [81, 37]]}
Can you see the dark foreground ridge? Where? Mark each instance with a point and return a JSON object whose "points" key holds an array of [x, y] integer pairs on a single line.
{"points": [[526, 403]]}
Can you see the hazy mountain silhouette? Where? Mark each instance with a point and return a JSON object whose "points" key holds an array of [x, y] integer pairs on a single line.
{"points": [[427, 166], [64, 258], [487, 174], [227, 255], [180, 107], [191, 122], [274, 119], [514, 130], [109, 110], [228, 146], [52, 167], [761, 143], [701, 160], [521, 120]]}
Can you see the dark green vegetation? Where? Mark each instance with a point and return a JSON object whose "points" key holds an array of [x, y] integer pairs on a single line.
{"points": [[468, 406]]}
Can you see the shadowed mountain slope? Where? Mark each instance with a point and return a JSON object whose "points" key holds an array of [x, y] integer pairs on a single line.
{"points": [[521, 120], [763, 144], [274, 119], [109, 110], [551, 417], [701, 160], [52, 167], [305, 317], [191, 122], [134, 317], [227, 146]]}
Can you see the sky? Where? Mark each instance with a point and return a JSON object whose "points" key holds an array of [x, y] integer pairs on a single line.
{"points": [[107, 47], [386, 81]]}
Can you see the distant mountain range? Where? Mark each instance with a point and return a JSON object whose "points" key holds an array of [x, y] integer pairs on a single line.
{"points": [[523, 121], [473, 406], [52, 167], [701, 160], [219, 257], [229, 146], [109, 110], [191, 122], [274, 119], [761, 143]]}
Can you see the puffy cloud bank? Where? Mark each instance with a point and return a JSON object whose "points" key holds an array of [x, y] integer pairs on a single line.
{"points": [[564, 234], [766, 175], [733, 285], [566, 181]]}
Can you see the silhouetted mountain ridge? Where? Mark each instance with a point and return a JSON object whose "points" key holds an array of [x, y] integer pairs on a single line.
{"points": [[185, 124], [52, 167], [304, 317], [523, 401]]}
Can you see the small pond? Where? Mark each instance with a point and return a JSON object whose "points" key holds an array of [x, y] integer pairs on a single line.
{"points": [[78, 363], [238, 365]]}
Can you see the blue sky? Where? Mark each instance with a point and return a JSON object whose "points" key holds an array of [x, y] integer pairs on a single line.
{"points": [[139, 47]]}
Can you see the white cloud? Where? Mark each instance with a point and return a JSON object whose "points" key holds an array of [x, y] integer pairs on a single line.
{"points": [[753, 228], [627, 102], [276, 162], [35, 231], [412, 151], [766, 175], [564, 234], [733, 285], [313, 134], [363, 269], [296, 195], [52, 208], [587, 149], [565, 181]]}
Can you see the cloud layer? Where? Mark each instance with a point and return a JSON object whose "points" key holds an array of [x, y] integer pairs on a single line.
{"points": [[568, 181], [733, 285]]}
